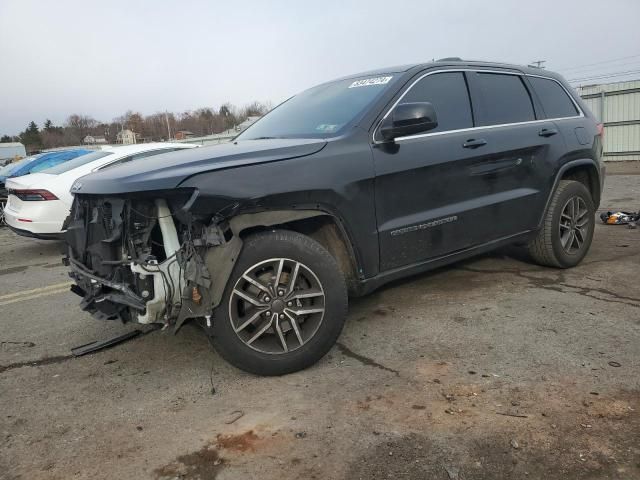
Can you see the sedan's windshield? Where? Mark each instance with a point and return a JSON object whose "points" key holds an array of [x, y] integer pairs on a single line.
{"points": [[76, 162], [321, 111]]}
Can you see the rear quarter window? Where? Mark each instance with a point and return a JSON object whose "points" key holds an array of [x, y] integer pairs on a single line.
{"points": [[554, 99], [504, 99]]}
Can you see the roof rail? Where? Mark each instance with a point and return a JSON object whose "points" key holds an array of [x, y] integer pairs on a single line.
{"points": [[449, 59]]}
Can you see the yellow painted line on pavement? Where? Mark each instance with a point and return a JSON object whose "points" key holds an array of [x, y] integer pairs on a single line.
{"points": [[35, 293]]}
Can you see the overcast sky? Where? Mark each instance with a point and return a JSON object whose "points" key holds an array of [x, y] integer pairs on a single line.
{"points": [[103, 58]]}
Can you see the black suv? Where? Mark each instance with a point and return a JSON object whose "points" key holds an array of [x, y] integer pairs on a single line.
{"points": [[335, 192]]}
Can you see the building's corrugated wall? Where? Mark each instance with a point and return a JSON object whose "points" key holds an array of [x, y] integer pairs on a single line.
{"points": [[617, 105]]}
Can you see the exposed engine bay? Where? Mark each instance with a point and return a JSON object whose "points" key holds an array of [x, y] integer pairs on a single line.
{"points": [[143, 259]]}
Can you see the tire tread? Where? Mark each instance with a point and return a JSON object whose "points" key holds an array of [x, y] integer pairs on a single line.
{"points": [[541, 248], [260, 242]]}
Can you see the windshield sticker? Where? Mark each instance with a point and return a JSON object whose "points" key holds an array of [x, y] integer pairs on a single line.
{"points": [[370, 81], [327, 128]]}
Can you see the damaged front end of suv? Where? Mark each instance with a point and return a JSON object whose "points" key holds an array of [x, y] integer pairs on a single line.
{"points": [[145, 257], [216, 235]]}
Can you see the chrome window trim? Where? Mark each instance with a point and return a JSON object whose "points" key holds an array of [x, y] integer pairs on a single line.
{"points": [[471, 129]]}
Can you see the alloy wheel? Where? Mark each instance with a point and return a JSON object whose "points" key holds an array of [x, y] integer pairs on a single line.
{"points": [[574, 225], [277, 306]]}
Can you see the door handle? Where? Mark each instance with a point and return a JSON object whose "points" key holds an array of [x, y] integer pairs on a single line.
{"points": [[547, 132], [473, 143]]}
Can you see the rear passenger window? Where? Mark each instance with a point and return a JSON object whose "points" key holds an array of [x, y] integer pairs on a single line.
{"points": [[555, 101], [505, 99], [447, 92]]}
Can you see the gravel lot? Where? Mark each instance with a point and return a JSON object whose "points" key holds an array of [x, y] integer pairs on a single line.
{"points": [[490, 368]]}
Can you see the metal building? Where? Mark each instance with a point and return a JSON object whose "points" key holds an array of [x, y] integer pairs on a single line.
{"points": [[617, 105]]}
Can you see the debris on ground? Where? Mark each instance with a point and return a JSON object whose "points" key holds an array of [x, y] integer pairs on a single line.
{"points": [[452, 472], [509, 414], [102, 344], [235, 416], [620, 218]]}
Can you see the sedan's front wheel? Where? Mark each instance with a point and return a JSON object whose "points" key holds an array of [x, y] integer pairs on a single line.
{"points": [[284, 305]]}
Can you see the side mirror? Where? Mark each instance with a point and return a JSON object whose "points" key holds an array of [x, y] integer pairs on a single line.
{"points": [[409, 119]]}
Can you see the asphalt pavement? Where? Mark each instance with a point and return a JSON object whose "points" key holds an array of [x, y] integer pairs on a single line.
{"points": [[490, 368]]}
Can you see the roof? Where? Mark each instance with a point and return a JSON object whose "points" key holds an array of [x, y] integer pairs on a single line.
{"points": [[140, 147], [455, 62]]}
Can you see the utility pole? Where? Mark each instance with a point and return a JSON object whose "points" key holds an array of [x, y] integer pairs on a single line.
{"points": [[166, 117], [538, 63]]}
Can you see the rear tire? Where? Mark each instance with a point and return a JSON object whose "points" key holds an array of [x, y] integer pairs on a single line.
{"points": [[292, 316], [567, 229]]}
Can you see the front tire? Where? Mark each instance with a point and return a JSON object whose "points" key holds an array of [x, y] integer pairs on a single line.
{"points": [[567, 230], [284, 305]]}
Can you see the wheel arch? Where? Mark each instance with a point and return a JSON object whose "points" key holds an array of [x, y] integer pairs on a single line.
{"points": [[323, 227], [585, 171]]}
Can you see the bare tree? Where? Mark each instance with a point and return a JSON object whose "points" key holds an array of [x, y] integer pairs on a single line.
{"points": [[203, 121], [135, 122], [52, 139], [255, 109], [80, 125]]}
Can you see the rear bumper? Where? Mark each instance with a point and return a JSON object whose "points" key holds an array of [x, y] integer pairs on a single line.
{"points": [[43, 219], [39, 236]]}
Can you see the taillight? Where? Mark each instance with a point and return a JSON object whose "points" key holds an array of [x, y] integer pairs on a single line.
{"points": [[600, 128], [33, 195]]}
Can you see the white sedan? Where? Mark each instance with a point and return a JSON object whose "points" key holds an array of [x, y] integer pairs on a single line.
{"points": [[39, 203]]}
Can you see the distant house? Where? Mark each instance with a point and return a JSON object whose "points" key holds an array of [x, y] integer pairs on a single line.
{"points": [[184, 134], [94, 140], [126, 137]]}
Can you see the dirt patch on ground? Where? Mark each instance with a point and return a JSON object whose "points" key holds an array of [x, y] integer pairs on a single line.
{"points": [[207, 462], [572, 435], [239, 443], [203, 464]]}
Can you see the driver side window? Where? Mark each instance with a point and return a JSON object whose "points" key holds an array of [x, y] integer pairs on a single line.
{"points": [[448, 94]]}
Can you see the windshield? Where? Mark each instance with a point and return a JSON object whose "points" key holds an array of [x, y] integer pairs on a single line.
{"points": [[76, 162], [321, 111]]}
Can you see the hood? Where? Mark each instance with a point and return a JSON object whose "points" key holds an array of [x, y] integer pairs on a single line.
{"points": [[169, 170]]}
